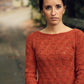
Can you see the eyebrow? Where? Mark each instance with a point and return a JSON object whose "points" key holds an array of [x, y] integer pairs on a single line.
{"points": [[50, 5], [58, 4]]}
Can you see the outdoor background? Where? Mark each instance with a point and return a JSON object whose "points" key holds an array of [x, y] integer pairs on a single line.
{"points": [[18, 18]]}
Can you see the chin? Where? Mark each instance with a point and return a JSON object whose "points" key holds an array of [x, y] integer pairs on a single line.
{"points": [[54, 23]]}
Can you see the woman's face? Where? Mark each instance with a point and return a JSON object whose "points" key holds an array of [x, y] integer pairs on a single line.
{"points": [[53, 11]]}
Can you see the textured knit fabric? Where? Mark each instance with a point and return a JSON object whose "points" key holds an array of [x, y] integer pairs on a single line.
{"points": [[59, 58]]}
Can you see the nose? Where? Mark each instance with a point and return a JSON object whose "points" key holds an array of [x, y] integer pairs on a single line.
{"points": [[53, 11]]}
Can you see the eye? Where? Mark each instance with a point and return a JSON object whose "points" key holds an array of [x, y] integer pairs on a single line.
{"points": [[48, 7], [58, 6]]}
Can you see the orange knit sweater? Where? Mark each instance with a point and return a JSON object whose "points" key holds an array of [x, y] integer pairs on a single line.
{"points": [[59, 58]]}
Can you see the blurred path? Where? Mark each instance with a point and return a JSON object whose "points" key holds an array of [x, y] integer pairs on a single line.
{"points": [[9, 71], [15, 18], [16, 26], [12, 53]]}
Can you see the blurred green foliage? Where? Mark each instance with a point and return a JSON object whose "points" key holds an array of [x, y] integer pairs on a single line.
{"points": [[35, 6], [34, 3]]}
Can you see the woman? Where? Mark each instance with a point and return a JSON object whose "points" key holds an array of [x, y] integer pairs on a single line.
{"points": [[57, 51]]}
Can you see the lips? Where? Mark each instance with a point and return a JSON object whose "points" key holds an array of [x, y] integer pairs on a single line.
{"points": [[53, 18]]}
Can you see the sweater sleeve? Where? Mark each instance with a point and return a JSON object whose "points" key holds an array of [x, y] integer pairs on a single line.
{"points": [[30, 62], [79, 58]]}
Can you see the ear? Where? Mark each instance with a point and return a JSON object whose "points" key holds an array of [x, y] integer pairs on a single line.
{"points": [[64, 9]]}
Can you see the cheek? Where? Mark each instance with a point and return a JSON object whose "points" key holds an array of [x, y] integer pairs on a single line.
{"points": [[61, 13], [47, 14]]}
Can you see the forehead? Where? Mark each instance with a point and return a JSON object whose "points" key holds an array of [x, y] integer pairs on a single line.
{"points": [[52, 2]]}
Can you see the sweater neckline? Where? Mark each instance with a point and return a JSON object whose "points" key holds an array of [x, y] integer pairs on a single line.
{"points": [[57, 33]]}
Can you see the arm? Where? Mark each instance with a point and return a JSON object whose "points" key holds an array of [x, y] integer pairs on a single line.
{"points": [[30, 63], [79, 58]]}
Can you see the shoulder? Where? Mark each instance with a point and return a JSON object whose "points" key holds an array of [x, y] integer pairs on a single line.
{"points": [[31, 35], [79, 35], [79, 32]]}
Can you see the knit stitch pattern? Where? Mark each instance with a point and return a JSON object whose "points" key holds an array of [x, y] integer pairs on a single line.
{"points": [[59, 58]]}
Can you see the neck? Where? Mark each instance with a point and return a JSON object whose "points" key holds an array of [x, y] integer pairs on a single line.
{"points": [[55, 28]]}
